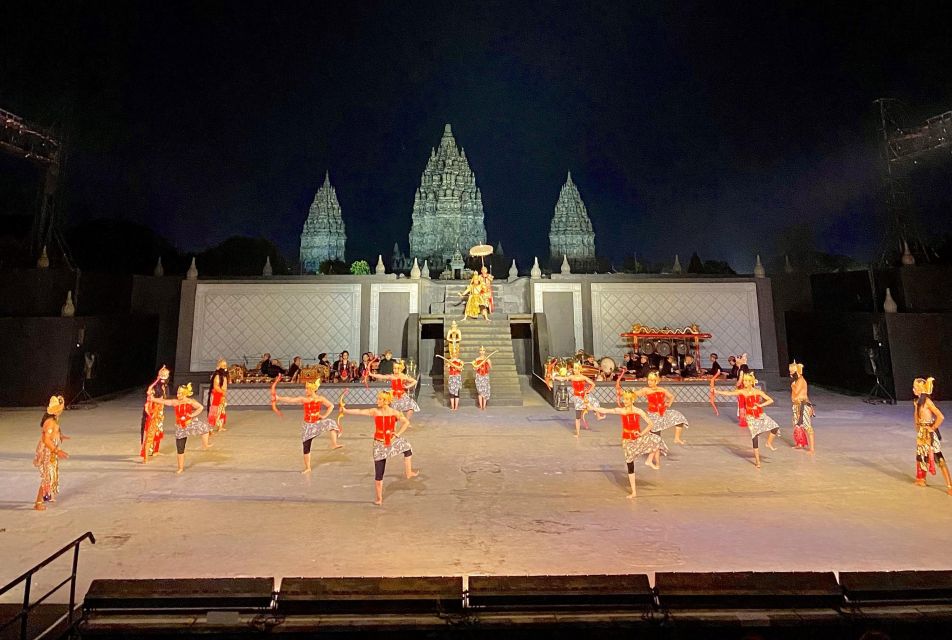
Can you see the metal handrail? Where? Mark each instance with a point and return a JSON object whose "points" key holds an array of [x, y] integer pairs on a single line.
{"points": [[27, 578]]}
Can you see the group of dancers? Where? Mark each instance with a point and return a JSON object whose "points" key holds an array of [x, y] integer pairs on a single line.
{"points": [[641, 434]]}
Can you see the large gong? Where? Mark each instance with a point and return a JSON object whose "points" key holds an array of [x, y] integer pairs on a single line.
{"points": [[664, 348]]}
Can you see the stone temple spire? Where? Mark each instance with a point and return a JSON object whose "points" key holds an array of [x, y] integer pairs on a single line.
{"points": [[323, 237], [447, 207], [571, 233]]}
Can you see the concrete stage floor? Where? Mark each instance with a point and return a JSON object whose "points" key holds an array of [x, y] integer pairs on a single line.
{"points": [[508, 491]]}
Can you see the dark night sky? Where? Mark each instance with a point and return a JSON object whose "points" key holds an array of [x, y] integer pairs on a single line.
{"points": [[686, 125]]}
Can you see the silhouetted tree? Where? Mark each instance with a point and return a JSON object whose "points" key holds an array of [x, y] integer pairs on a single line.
{"points": [[240, 256]]}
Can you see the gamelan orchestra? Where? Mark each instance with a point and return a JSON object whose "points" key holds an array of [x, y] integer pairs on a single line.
{"points": [[643, 387]]}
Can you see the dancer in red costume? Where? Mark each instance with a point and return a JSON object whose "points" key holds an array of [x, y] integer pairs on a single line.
{"points": [[758, 422], [387, 439], [634, 441], [400, 384], [802, 409], [48, 453], [742, 368], [187, 410], [487, 279], [216, 406], [153, 415], [582, 387], [928, 419], [661, 413], [315, 423]]}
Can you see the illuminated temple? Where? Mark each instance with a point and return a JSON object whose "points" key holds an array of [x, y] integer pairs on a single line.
{"points": [[323, 237], [447, 207], [571, 234]]}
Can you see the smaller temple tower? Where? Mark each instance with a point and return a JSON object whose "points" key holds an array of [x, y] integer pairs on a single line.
{"points": [[571, 234], [323, 237], [400, 262]]}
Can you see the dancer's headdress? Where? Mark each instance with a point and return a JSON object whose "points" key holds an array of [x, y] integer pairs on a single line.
{"points": [[576, 366], [312, 385], [629, 395], [221, 364], [57, 403], [398, 364], [750, 376], [386, 396], [925, 384], [796, 366], [185, 390], [164, 373], [654, 375]]}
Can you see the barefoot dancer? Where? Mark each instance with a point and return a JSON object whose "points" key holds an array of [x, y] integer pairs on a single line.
{"points": [[659, 408], [634, 441], [187, 410], [48, 453], [582, 386], [802, 408], [153, 415], [454, 381], [315, 423], [387, 441], [400, 383], [216, 407], [477, 303], [758, 422], [482, 365], [740, 362], [928, 419]]}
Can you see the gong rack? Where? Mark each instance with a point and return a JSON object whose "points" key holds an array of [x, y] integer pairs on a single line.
{"points": [[666, 341]]}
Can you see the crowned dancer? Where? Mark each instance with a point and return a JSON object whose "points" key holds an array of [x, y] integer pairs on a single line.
{"points": [[740, 363], [454, 368], [582, 387], [477, 303], [758, 422], [219, 389], [634, 441], [48, 453], [802, 408], [315, 423], [481, 366], [487, 280], [928, 419], [400, 384], [153, 415], [659, 408], [187, 410], [387, 440]]}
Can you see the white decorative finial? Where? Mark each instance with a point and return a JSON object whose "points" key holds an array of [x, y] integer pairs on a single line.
{"points": [[380, 269], [425, 272], [68, 310], [889, 305], [677, 265], [759, 271], [568, 180], [192, 273], [786, 264], [535, 272], [267, 271], [159, 270], [566, 268], [327, 178], [907, 258], [415, 270], [44, 260], [513, 271]]}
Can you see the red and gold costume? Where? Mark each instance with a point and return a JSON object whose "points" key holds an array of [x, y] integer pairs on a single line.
{"points": [[217, 417], [154, 416]]}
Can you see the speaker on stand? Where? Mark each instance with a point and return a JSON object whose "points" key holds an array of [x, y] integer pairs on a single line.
{"points": [[872, 365], [82, 399]]}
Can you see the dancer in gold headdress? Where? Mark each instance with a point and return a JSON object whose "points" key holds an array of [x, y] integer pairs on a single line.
{"points": [[802, 408], [478, 301], [634, 441], [758, 422], [218, 392], [928, 419], [153, 415], [48, 453], [187, 423], [315, 422]]}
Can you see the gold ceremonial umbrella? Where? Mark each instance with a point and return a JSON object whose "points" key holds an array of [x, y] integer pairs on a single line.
{"points": [[481, 251]]}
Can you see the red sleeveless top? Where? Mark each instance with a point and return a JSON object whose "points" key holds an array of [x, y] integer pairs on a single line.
{"points": [[396, 385], [383, 428], [312, 412], [656, 403], [182, 413], [750, 403], [483, 369], [455, 370], [578, 388], [630, 426]]}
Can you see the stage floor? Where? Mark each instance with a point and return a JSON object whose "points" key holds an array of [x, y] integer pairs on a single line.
{"points": [[508, 491]]}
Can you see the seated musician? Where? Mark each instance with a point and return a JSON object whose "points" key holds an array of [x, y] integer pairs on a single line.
{"points": [[669, 367], [364, 368], [344, 369], [715, 367], [265, 365], [276, 368], [294, 371], [689, 369], [322, 360], [385, 368], [734, 371], [644, 366], [631, 364]]}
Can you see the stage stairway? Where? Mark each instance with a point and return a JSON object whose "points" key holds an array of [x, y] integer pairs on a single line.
{"points": [[506, 390]]}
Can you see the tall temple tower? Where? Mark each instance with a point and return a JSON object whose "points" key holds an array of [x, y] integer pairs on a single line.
{"points": [[323, 237], [447, 207], [571, 232]]}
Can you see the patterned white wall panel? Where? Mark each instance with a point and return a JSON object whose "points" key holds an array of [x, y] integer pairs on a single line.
{"points": [[234, 320], [575, 288], [727, 310], [413, 288]]}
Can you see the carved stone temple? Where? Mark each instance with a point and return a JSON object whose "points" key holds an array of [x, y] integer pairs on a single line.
{"points": [[571, 234], [447, 208], [400, 262], [323, 236]]}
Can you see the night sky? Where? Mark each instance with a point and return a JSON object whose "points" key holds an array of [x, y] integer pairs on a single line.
{"points": [[687, 126]]}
